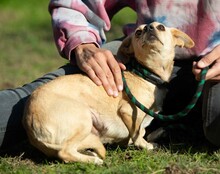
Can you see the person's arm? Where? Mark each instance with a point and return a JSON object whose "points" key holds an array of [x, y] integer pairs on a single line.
{"points": [[79, 31], [74, 23]]}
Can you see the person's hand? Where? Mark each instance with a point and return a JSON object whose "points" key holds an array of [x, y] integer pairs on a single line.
{"points": [[101, 66], [212, 60]]}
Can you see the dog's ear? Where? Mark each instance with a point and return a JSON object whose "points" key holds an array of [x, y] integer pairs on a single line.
{"points": [[126, 51], [182, 39]]}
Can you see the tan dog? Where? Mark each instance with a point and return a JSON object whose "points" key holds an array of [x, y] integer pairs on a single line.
{"points": [[70, 114]]}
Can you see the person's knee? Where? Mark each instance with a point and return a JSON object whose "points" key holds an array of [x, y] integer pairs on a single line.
{"points": [[212, 133], [211, 112]]}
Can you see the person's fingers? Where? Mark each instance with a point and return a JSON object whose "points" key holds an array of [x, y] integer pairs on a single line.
{"points": [[208, 59], [108, 74], [122, 66], [116, 71], [85, 58], [90, 72], [105, 76], [196, 71], [96, 73], [101, 66], [214, 71], [205, 61], [216, 78]]}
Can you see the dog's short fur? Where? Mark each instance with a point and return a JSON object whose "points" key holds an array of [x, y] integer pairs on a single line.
{"points": [[70, 114]]}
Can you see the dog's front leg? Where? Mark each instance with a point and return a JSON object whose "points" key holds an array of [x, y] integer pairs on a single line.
{"points": [[136, 124], [140, 142]]}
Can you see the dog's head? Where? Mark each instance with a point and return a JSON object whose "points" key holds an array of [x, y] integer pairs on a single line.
{"points": [[153, 46]]}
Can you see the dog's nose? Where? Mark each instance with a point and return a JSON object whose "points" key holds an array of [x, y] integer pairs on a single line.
{"points": [[148, 28], [151, 27]]}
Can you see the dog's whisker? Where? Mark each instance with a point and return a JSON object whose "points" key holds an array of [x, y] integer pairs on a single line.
{"points": [[161, 42]]}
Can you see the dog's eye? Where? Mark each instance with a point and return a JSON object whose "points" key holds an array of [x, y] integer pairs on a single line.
{"points": [[138, 33], [161, 27]]}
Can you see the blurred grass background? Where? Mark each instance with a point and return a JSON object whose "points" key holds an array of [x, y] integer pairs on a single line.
{"points": [[27, 48]]}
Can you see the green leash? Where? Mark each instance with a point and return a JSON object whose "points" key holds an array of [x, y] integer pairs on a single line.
{"points": [[139, 70]]}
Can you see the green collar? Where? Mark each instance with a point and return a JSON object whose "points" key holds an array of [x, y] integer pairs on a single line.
{"points": [[146, 74]]}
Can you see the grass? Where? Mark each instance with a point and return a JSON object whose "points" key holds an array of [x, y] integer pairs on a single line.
{"points": [[27, 51], [27, 48], [174, 159]]}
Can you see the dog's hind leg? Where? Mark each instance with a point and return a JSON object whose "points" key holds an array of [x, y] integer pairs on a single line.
{"points": [[92, 142], [75, 156], [71, 151]]}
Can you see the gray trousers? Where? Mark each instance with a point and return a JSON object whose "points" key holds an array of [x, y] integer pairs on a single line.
{"points": [[12, 101]]}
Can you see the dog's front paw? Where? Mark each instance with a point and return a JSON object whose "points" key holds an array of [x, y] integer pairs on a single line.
{"points": [[98, 161], [142, 143]]}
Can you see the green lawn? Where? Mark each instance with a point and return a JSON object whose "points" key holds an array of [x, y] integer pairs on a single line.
{"points": [[173, 159], [27, 51]]}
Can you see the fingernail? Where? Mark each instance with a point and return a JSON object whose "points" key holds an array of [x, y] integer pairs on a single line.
{"points": [[98, 83], [120, 87], [201, 64], [110, 92], [115, 93]]}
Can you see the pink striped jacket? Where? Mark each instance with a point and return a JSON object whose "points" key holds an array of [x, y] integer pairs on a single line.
{"points": [[85, 21]]}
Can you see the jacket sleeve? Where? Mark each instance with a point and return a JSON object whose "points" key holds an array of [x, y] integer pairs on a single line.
{"points": [[75, 22], [210, 25]]}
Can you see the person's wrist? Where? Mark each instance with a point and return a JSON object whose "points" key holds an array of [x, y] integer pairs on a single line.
{"points": [[85, 45]]}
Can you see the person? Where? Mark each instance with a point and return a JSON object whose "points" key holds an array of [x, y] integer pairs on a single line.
{"points": [[79, 30]]}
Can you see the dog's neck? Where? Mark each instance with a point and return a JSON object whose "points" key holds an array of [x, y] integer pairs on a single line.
{"points": [[144, 72], [160, 64]]}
